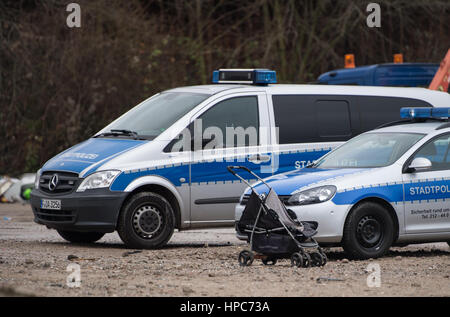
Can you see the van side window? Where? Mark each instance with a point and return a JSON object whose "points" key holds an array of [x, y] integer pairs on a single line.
{"points": [[236, 119], [437, 151], [295, 119], [333, 118], [375, 111], [308, 118]]}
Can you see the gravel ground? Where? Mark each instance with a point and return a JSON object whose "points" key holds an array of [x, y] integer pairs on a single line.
{"points": [[34, 261]]}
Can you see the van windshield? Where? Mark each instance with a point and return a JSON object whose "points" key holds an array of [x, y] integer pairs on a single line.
{"points": [[154, 116], [370, 150]]}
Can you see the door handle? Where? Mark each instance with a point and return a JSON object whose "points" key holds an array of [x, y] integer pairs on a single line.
{"points": [[259, 158]]}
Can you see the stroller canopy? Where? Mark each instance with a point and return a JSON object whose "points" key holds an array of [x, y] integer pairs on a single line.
{"points": [[275, 213]]}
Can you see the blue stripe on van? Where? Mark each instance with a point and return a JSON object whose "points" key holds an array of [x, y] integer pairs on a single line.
{"points": [[211, 172], [295, 160]]}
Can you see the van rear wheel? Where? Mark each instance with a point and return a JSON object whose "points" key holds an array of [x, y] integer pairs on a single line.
{"points": [[80, 237], [147, 221], [368, 231]]}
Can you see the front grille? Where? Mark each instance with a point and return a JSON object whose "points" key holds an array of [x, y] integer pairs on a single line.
{"points": [[55, 215], [66, 182], [284, 199]]}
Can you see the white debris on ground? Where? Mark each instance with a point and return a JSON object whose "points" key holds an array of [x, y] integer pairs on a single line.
{"points": [[16, 189]]}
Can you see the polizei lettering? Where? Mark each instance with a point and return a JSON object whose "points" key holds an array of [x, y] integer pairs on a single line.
{"points": [[88, 156]]}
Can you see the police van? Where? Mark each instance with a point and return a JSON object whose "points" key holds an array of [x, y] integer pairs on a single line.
{"points": [[162, 165], [383, 187]]}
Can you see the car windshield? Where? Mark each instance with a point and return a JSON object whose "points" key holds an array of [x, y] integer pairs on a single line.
{"points": [[370, 150], [154, 116]]}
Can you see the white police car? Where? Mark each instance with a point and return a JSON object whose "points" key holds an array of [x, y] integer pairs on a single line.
{"points": [[162, 165], [384, 187]]}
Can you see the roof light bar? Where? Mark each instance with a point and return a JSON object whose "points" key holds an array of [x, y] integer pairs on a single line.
{"points": [[414, 113], [441, 112], [244, 76]]}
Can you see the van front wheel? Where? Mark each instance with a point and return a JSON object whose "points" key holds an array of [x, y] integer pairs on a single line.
{"points": [[147, 221]]}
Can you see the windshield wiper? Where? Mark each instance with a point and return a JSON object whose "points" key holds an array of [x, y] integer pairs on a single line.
{"points": [[119, 132], [125, 132]]}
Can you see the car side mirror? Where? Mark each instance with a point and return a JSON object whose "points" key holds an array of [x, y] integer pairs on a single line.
{"points": [[419, 164]]}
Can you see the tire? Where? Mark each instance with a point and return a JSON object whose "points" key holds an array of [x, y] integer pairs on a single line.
{"points": [[317, 259], [306, 260], [147, 221], [245, 258], [324, 257], [368, 232], [80, 237], [297, 260]]}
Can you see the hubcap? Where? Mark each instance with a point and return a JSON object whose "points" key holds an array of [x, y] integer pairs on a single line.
{"points": [[147, 221], [369, 231]]}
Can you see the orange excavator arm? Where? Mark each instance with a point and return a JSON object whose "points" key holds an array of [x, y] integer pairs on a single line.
{"points": [[441, 79]]}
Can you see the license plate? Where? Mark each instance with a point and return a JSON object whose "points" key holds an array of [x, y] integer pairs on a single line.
{"points": [[52, 204]]}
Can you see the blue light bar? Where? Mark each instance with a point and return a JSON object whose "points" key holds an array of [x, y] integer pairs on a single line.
{"points": [[441, 112], [265, 77], [414, 113], [244, 76]]}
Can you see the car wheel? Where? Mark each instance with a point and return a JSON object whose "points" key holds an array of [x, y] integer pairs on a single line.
{"points": [[147, 221], [80, 237], [368, 231]]}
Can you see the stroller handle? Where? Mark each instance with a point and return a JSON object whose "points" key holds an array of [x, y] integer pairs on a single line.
{"points": [[232, 169]]}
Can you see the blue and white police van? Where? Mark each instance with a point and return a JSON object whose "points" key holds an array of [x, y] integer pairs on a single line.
{"points": [[162, 165], [387, 186]]}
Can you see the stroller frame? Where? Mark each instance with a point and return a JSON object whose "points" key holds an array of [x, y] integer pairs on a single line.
{"points": [[300, 258]]}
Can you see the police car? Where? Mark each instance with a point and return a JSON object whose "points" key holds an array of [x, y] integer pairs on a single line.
{"points": [[162, 165], [384, 187]]}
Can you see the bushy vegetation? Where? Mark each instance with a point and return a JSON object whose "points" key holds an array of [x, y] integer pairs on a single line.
{"points": [[58, 85]]}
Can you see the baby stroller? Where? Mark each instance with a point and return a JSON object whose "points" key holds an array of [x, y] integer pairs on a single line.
{"points": [[274, 231]]}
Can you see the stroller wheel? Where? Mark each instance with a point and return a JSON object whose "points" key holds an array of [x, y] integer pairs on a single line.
{"points": [[245, 258], [324, 258], [317, 259], [297, 260], [269, 261], [306, 260]]}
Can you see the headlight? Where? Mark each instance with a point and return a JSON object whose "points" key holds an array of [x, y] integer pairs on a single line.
{"points": [[313, 196], [36, 180], [98, 180]]}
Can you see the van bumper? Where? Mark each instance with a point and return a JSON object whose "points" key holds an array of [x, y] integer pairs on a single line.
{"points": [[93, 210]]}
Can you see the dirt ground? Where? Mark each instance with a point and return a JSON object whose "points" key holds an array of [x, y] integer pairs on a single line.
{"points": [[34, 261]]}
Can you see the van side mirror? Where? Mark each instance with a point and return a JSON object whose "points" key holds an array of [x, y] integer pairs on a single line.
{"points": [[419, 164]]}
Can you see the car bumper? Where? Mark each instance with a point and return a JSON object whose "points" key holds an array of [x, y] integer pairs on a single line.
{"points": [[330, 217], [93, 210]]}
